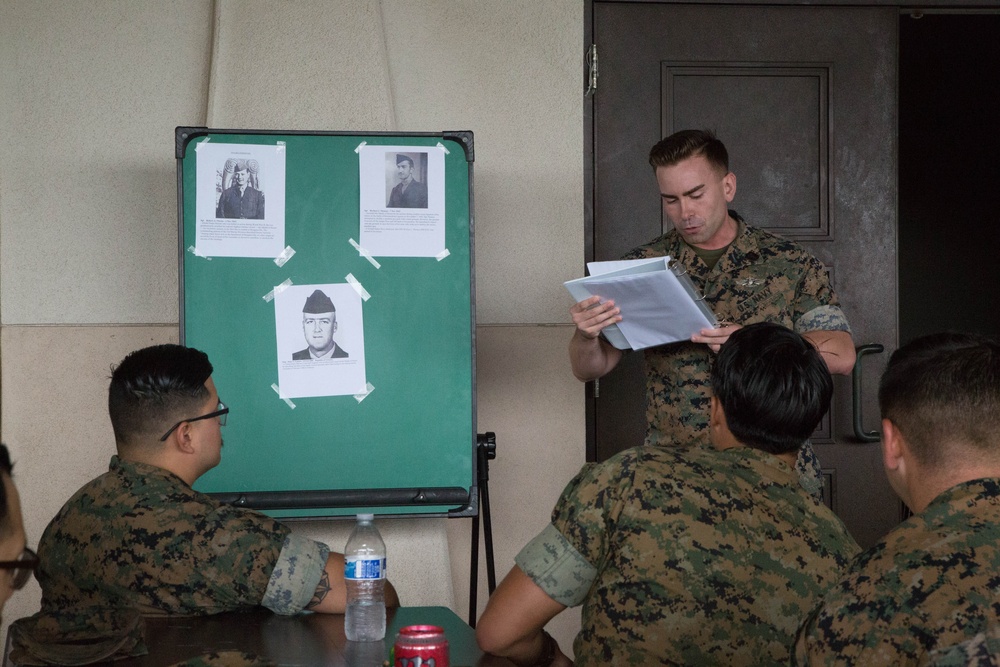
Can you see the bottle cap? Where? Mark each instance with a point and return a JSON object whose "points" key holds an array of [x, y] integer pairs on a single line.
{"points": [[366, 517]]}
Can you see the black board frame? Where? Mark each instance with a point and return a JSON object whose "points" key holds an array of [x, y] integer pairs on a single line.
{"points": [[449, 501]]}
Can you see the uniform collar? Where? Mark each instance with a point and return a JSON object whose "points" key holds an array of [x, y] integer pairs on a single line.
{"points": [[136, 469]]}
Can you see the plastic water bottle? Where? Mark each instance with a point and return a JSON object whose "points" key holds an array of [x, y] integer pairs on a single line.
{"points": [[364, 572]]}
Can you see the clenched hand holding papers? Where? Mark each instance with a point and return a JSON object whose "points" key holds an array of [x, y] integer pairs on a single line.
{"points": [[657, 306]]}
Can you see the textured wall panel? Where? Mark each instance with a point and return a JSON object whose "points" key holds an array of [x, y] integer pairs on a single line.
{"points": [[90, 93]]}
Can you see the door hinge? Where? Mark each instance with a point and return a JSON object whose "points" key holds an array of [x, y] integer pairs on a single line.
{"points": [[592, 74]]}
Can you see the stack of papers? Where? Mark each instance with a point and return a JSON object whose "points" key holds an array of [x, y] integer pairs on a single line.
{"points": [[657, 305]]}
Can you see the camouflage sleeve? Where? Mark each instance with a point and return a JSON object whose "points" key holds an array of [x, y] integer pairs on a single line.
{"points": [[823, 318], [558, 569], [564, 559], [982, 649], [814, 288], [295, 575]]}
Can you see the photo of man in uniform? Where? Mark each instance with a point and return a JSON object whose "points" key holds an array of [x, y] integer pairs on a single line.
{"points": [[319, 323], [409, 192], [242, 199]]}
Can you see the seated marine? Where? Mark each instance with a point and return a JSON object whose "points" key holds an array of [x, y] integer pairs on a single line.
{"points": [[138, 540], [689, 556]]}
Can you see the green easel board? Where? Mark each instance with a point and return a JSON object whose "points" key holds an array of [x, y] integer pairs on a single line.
{"points": [[388, 427]]}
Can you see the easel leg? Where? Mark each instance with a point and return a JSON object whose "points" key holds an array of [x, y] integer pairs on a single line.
{"points": [[486, 451]]}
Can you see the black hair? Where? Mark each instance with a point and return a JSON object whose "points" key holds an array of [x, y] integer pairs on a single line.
{"points": [[153, 388], [773, 385], [941, 389], [690, 143]]}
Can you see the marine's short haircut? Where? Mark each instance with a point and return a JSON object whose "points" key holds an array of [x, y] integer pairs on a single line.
{"points": [[155, 387], [5, 467], [943, 391], [690, 143], [773, 385]]}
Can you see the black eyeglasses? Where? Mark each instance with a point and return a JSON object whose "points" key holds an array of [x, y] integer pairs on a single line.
{"points": [[220, 413], [25, 564]]}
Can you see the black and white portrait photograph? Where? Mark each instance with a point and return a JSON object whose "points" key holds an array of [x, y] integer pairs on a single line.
{"points": [[407, 178], [320, 340], [240, 201], [240, 191], [402, 200], [319, 324]]}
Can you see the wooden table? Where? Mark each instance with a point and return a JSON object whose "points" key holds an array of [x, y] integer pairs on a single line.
{"points": [[304, 639]]}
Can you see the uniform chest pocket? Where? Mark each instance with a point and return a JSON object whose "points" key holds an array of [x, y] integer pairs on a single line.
{"points": [[762, 298]]}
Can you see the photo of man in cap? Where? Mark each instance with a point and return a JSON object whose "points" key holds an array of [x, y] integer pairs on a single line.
{"points": [[242, 199], [409, 192], [319, 323]]}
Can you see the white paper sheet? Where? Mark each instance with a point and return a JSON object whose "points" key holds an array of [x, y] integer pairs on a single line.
{"points": [[393, 223], [218, 234], [343, 376]]}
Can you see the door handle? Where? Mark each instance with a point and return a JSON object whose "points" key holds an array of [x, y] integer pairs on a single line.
{"points": [[859, 430]]}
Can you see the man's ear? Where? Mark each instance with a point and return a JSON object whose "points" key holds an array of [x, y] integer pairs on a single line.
{"points": [[714, 412], [729, 186], [718, 428], [183, 438], [893, 447]]}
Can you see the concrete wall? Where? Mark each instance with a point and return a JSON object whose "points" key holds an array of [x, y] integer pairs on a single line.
{"points": [[90, 91]]}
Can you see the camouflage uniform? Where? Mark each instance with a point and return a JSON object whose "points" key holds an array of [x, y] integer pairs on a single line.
{"points": [[139, 537], [761, 278], [687, 556], [925, 594]]}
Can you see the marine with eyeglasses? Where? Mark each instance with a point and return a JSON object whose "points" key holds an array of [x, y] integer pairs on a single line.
{"points": [[138, 540]]}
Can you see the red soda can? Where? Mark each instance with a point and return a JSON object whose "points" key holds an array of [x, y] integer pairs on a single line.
{"points": [[420, 646]]}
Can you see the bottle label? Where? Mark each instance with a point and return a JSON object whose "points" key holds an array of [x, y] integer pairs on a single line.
{"points": [[364, 568]]}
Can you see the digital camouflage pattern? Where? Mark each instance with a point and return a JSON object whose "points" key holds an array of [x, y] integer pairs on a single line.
{"points": [[688, 556], [761, 278], [983, 650], [139, 537], [77, 637], [922, 595]]}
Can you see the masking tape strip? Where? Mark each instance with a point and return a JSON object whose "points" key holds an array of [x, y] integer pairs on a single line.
{"points": [[194, 251], [444, 148], [280, 147], [441, 255], [357, 287], [285, 255], [278, 289], [360, 146], [364, 253], [363, 394], [197, 146], [278, 392]]}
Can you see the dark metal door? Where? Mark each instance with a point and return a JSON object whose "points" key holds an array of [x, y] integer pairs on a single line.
{"points": [[805, 100]]}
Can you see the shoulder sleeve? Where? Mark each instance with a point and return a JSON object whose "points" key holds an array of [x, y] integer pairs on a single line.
{"points": [[239, 550], [565, 558], [817, 307], [557, 567], [296, 574], [981, 649]]}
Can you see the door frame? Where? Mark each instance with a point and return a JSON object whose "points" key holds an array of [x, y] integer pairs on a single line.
{"points": [[589, 157]]}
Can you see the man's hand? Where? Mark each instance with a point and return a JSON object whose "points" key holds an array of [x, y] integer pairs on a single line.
{"points": [[715, 338], [590, 356], [591, 316]]}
